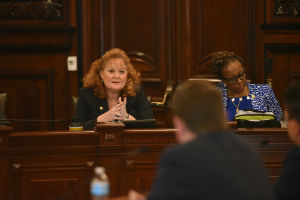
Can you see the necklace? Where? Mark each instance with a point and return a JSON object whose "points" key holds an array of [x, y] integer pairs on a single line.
{"points": [[237, 106]]}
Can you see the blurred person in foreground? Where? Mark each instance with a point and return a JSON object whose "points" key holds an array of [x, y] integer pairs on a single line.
{"points": [[210, 162], [287, 186], [237, 93], [111, 91]]}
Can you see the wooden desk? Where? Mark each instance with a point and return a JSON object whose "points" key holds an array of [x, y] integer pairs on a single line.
{"points": [[50, 164]]}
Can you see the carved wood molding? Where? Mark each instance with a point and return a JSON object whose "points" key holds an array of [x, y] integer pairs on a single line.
{"points": [[281, 12], [46, 10], [282, 47], [36, 38], [204, 66], [287, 8], [143, 58], [142, 139], [40, 167], [274, 26]]}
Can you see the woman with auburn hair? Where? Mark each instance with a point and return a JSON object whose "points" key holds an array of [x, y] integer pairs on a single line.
{"points": [[111, 91]]}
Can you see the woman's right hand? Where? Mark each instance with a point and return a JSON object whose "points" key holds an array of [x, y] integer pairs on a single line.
{"points": [[113, 114]]}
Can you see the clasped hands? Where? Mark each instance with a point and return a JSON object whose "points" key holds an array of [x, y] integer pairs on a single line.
{"points": [[119, 111], [116, 113]]}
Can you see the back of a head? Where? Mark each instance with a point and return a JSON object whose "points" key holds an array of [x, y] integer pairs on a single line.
{"points": [[292, 101], [199, 105]]}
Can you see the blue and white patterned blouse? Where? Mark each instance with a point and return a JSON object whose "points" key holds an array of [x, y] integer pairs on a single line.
{"points": [[262, 99]]}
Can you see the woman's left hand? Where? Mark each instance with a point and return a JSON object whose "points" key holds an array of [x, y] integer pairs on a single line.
{"points": [[123, 114]]}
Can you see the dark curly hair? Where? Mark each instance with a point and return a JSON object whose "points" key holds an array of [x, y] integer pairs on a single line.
{"points": [[93, 79], [221, 59]]}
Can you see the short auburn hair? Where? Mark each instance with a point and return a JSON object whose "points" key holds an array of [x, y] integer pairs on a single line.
{"points": [[199, 105]]}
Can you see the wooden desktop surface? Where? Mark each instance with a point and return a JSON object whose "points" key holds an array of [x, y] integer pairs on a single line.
{"points": [[120, 198], [52, 164]]}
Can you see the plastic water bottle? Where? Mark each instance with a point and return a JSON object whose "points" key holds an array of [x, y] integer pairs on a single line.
{"points": [[99, 187]]}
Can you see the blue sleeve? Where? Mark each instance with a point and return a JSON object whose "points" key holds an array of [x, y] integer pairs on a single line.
{"points": [[272, 103]]}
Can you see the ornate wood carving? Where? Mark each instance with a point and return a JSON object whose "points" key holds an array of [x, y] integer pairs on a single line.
{"points": [[109, 137], [143, 61], [287, 8], [282, 14], [49, 10]]}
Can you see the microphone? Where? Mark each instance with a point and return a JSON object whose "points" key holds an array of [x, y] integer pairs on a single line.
{"points": [[135, 152], [33, 120]]}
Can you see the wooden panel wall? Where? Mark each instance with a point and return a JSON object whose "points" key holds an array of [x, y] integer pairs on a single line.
{"points": [[214, 26], [169, 40], [35, 39], [28, 98], [172, 40], [134, 21], [165, 40], [138, 27], [277, 45]]}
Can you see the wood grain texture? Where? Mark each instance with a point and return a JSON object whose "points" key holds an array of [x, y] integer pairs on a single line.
{"points": [[52, 164], [36, 38], [165, 40]]}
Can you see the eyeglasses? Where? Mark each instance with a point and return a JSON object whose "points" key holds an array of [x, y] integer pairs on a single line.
{"points": [[234, 79]]}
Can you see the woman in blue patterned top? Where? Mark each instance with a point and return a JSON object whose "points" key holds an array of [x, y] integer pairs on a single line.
{"points": [[237, 93]]}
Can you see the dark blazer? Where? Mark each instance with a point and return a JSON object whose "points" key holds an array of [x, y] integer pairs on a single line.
{"points": [[89, 107], [214, 166], [287, 186]]}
